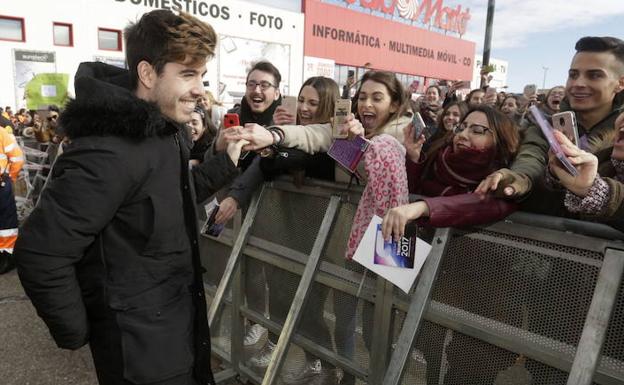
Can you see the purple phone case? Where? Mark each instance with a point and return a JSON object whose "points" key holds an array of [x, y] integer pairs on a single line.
{"points": [[547, 130], [349, 152]]}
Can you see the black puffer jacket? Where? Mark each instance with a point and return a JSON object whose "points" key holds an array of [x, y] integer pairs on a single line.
{"points": [[110, 254]]}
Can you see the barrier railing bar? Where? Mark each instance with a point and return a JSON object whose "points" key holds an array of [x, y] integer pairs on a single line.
{"points": [[591, 229], [238, 322], [220, 353], [251, 375], [420, 299], [595, 330], [502, 335], [306, 344], [538, 347], [549, 235], [237, 249], [383, 316], [329, 274], [271, 375], [224, 375], [322, 188], [541, 250]]}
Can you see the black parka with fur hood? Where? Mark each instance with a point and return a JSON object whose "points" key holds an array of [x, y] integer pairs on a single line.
{"points": [[110, 254]]}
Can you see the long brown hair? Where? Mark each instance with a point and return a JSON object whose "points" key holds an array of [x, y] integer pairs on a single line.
{"points": [[328, 92], [395, 90], [506, 137]]}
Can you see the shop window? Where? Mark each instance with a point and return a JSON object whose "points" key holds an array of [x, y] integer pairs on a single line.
{"points": [[109, 39], [12, 28], [63, 34]]}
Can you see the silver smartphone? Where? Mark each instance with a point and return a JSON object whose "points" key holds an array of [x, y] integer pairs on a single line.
{"points": [[566, 123]]}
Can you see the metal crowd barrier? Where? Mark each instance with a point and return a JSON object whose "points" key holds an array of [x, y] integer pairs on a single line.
{"points": [[529, 300]]}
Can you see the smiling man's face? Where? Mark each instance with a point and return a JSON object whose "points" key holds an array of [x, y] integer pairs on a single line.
{"points": [[261, 91], [593, 80]]}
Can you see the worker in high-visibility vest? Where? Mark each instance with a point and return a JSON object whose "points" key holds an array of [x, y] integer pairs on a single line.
{"points": [[11, 161]]}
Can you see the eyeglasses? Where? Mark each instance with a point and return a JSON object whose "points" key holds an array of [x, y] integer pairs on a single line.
{"points": [[52, 117], [264, 85], [473, 129]]}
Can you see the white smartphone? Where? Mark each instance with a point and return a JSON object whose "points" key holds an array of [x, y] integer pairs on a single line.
{"points": [[566, 123]]}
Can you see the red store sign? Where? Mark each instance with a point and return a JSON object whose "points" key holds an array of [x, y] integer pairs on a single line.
{"points": [[446, 18], [354, 38]]}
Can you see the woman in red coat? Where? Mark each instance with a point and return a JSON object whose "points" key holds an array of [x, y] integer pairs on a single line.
{"points": [[484, 141]]}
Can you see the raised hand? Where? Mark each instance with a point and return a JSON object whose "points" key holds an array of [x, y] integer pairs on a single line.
{"points": [[282, 117], [413, 147]]}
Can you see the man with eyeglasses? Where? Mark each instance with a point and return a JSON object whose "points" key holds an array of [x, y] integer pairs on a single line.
{"points": [[262, 96]]}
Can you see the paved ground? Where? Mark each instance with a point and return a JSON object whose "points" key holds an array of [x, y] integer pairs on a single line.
{"points": [[28, 355]]}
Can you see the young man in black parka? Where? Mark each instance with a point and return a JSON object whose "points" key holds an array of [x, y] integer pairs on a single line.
{"points": [[110, 255]]}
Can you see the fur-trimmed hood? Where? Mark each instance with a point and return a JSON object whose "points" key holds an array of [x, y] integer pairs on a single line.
{"points": [[105, 106]]}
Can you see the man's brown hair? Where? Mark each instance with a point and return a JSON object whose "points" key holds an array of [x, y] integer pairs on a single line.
{"points": [[162, 37]]}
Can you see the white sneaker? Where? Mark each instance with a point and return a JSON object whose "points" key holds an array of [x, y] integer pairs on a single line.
{"points": [[262, 358], [254, 333]]}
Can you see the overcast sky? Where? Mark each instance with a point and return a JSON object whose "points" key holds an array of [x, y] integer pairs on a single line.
{"points": [[532, 34]]}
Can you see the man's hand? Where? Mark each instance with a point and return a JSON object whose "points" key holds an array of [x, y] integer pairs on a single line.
{"points": [[412, 147], [221, 141], [257, 136], [227, 209], [507, 183], [396, 218], [234, 150], [585, 162], [282, 117]]}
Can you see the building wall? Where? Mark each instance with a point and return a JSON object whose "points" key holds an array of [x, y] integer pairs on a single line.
{"points": [[231, 18]]}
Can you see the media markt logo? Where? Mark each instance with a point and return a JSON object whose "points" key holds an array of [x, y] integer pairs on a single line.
{"points": [[445, 18], [408, 8]]}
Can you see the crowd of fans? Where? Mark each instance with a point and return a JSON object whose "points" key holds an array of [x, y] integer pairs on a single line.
{"points": [[478, 160]]}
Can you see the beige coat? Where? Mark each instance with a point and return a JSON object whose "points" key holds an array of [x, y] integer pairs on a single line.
{"points": [[315, 138]]}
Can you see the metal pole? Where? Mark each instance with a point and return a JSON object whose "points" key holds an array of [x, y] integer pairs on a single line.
{"points": [[305, 285], [487, 45], [418, 305], [544, 80], [588, 356], [237, 251]]}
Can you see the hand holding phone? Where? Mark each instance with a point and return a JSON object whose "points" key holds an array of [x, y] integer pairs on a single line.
{"points": [[548, 132], [529, 90], [231, 120], [418, 125], [290, 105], [586, 164]]}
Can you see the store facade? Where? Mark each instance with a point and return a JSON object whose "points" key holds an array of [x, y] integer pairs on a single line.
{"points": [[369, 34], [62, 33]]}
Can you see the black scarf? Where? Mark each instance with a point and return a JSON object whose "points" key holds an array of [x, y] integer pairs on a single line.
{"points": [[264, 118]]}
